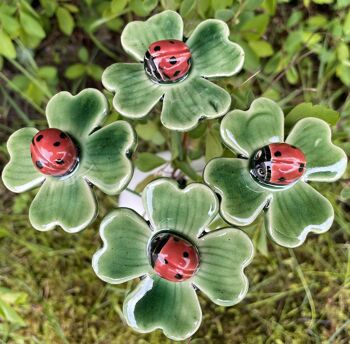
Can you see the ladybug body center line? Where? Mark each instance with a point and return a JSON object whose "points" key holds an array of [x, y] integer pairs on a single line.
{"points": [[173, 257], [278, 164], [167, 61], [53, 152]]}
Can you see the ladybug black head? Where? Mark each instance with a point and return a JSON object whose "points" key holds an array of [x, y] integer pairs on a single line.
{"points": [[260, 165], [150, 68]]}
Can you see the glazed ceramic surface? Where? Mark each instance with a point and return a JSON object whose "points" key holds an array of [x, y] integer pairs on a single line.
{"points": [[172, 255], [178, 73], [68, 201], [292, 207]]}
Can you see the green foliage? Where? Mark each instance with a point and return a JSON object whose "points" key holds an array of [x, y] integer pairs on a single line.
{"points": [[147, 161]]}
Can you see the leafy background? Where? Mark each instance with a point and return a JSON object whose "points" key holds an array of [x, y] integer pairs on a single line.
{"points": [[297, 52]]}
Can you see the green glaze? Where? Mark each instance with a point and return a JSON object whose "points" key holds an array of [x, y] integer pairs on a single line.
{"points": [[135, 93], [77, 115], [325, 161], [247, 131], [19, 174], [292, 212], [242, 199], [187, 211], [103, 161], [123, 257], [213, 54], [189, 100], [137, 36], [158, 303], [224, 255], [69, 204], [296, 212]]}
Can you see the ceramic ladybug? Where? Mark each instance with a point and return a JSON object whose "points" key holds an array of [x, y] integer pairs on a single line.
{"points": [[173, 258], [167, 61], [53, 152], [278, 164]]}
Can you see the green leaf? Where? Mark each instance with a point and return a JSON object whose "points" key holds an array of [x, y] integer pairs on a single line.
{"points": [[345, 193], [31, 25], [117, 6], [271, 6], [49, 6], [343, 73], [261, 48], [75, 71], [322, 2], [346, 26], [65, 21], [213, 146], [343, 52], [47, 72], [147, 161], [10, 25], [7, 48], [9, 314], [308, 110], [224, 14], [255, 27], [172, 5], [83, 55], [150, 132], [202, 7], [292, 75], [187, 7], [143, 8], [94, 71]]}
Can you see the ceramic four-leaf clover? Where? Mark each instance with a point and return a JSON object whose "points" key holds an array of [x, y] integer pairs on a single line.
{"points": [[68, 158], [174, 69], [173, 254], [272, 174]]}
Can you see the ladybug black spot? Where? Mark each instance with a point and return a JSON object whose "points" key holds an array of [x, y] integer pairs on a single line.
{"points": [[38, 164], [165, 261], [172, 42], [57, 143], [282, 179], [157, 48], [63, 135], [300, 169], [39, 138], [172, 60], [60, 161], [177, 73], [178, 276], [185, 254], [302, 165], [278, 153]]}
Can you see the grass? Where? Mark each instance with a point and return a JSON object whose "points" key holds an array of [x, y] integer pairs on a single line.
{"points": [[296, 296]]}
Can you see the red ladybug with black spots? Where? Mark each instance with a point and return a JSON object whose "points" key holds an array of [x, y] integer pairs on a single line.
{"points": [[167, 61], [173, 258], [53, 152], [278, 164]]}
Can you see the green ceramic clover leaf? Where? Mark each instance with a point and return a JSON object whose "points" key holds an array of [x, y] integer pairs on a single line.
{"points": [[19, 174], [293, 211], [189, 100], [157, 302], [103, 161]]}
